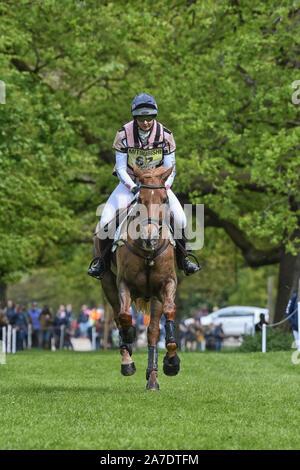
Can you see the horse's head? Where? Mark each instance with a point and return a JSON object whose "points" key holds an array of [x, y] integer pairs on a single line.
{"points": [[153, 200]]}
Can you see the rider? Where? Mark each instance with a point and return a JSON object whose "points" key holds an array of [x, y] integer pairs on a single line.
{"points": [[146, 143]]}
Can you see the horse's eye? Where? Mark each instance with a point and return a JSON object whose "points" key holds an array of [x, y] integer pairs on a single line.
{"points": [[165, 200], [139, 200]]}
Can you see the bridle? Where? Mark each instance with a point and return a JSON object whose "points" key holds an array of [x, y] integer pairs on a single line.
{"points": [[149, 220], [149, 257]]}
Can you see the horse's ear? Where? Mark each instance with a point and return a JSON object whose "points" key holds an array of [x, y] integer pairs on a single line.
{"points": [[136, 170], [167, 173]]}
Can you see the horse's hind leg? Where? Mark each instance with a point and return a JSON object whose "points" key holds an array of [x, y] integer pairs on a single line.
{"points": [[171, 363], [153, 337], [126, 330]]}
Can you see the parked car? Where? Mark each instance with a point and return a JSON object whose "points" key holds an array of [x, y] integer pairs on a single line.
{"points": [[236, 320]]}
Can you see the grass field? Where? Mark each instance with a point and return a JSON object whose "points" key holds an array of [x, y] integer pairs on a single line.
{"points": [[73, 400]]}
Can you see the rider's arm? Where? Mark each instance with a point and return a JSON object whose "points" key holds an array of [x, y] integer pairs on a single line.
{"points": [[169, 160], [121, 169]]}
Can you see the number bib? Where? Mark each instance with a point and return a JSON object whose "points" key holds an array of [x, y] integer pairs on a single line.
{"points": [[144, 158]]}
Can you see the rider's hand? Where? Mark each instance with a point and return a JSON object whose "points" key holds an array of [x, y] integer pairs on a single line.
{"points": [[135, 189]]}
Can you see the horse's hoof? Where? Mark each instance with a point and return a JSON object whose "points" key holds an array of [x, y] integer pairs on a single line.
{"points": [[152, 386], [128, 369], [171, 365]]}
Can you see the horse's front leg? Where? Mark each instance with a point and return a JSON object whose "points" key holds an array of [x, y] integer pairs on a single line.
{"points": [[153, 337], [171, 364], [126, 330]]}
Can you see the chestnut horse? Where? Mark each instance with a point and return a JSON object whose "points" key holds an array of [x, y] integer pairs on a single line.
{"points": [[146, 272]]}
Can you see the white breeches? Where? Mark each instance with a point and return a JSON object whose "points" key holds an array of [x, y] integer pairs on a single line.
{"points": [[121, 197]]}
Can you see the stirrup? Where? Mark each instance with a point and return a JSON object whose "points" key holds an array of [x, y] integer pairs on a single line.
{"points": [[98, 270], [189, 267]]}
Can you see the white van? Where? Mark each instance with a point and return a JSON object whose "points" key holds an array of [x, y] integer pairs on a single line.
{"points": [[236, 320]]}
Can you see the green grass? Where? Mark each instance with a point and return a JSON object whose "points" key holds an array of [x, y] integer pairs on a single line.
{"points": [[72, 400]]}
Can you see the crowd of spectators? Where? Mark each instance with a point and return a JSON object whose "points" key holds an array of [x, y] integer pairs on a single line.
{"points": [[195, 337], [46, 329]]}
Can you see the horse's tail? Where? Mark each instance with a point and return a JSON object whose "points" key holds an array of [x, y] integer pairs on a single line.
{"points": [[143, 306]]}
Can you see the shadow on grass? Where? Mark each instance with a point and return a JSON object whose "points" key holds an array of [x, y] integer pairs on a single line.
{"points": [[120, 389]]}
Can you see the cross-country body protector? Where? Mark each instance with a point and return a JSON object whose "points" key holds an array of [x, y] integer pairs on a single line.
{"points": [[160, 143]]}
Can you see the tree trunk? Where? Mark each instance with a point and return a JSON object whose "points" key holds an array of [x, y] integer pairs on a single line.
{"points": [[289, 272], [3, 289]]}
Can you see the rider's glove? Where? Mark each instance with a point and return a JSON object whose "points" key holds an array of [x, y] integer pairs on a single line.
{"points": [[135, 189]]}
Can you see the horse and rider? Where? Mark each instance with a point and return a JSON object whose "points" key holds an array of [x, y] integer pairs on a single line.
{"points": [[145, 167]]}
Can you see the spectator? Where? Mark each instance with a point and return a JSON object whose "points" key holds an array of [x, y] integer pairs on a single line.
{"points": [[262, 321], [209, 336], [84, 321], [34, 314], [69, 312], [20, 323], [96, 314], [182, 333], [200, 333], [191, 337], [292, 307], [10, 311], [46, 321], [61, 325], [219, 336], [99, 332]]}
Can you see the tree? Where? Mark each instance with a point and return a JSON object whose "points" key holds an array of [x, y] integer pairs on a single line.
{"points": [[222, 75]]}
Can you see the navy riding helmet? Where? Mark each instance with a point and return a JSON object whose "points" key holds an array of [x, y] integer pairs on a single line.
{"points": [[144, 104]]}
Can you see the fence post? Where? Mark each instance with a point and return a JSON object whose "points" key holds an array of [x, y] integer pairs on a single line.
{"points": [[4, 339], [29, 336], [62, 337], [94, 335], [264, 338], [14, 341], [8, 347]]}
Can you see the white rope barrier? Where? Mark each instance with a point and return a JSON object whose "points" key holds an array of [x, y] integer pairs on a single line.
{"points": [[264, 329]]}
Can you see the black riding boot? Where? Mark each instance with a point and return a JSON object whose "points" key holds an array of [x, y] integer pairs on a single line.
{"points": [[182, 258], [101, 263]]}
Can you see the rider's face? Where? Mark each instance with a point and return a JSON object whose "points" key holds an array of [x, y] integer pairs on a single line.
{"points": [[145, 125]]}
